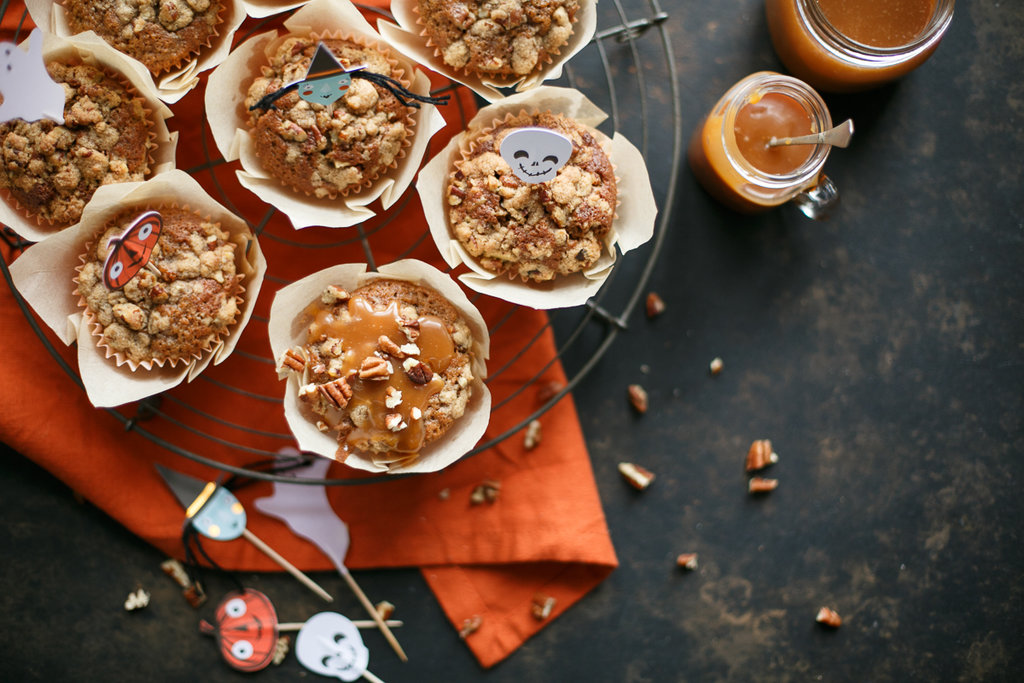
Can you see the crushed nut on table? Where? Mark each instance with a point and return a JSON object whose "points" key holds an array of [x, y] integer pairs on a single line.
{"points": [[638, 398], [542, 606], [531, 439], [655, 305], [828, 617], [637, 476], [470, 625], [486, 492], [761, 455], [762, 485], [687, 561]]}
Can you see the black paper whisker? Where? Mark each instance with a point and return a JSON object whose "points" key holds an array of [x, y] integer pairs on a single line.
{"points": [[401, 93]]}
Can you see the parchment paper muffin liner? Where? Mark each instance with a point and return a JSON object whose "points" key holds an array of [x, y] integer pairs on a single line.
{"points": [[228, 119], [408, 36], [175, 83], [43, 273], [161, 144], [287, 329], [397, 72], [240, 241], [633, 224]]}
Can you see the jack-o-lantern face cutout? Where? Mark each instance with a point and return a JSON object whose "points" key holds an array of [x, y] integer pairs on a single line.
{"points": [[130, 252], [535, 154], [246, 630]]}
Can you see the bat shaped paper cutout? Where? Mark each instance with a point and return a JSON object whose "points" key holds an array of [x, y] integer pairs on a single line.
{"points": [[28, 91], [535, 154], [130, 252], [308, 513], [329, 644], [245, 626]]}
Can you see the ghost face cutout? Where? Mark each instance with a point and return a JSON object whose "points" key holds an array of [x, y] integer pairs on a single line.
{"points": [[28, 91], [535, 154], [330, 645], [325, 90]]}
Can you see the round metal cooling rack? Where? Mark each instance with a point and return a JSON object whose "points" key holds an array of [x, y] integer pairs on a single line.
{"points": [[622, 70]]}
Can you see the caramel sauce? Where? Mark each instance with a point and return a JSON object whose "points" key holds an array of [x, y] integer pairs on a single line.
{"points": [[359, 334], [773, 115], [880, 23]]}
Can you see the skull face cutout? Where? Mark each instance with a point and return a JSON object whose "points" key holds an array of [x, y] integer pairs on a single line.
{"points": [[330, 645], [535, 154]]}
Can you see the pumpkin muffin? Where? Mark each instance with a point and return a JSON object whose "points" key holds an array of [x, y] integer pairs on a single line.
{"points": [[497, 38], [162, 34], [326, 150], [52, 170], [177, 306], [532, 231], [386, 367]]}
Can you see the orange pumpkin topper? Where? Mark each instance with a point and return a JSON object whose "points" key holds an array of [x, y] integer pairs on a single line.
{"points": [[130, 252]]}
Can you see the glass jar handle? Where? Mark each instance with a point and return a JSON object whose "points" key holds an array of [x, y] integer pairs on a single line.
{"points": [[819, 201]]}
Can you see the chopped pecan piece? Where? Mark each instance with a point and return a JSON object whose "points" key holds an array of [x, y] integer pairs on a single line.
{"points": [[761, 455], [293, 359], [375, 367], [411, 328], [638, 477], [547, 390], [638, 398], [386, 345], [333, 294], [337, 392], [392, 397], [655, 305], [532, 437], [486, 492], [470, 625], [716, 365], [762, 485], [394, 422], [687, 561], [828, 617], [542, 606], [385, 609], [418, 371]]}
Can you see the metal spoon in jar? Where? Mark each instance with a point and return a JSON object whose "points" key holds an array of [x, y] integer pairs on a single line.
{"points": [[837, 137]]}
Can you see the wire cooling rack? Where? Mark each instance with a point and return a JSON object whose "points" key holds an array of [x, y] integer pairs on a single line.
{"points": [[628, 70]]}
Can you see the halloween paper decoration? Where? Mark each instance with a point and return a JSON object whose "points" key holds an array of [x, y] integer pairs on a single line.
{"points": [[28, 91], [535, 154], [308, 513], [327, 80], [130, 252], [245, 626], [216, 513], [330, 645]]}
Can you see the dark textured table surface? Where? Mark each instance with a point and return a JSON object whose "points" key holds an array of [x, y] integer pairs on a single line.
{"points": [[881, 351]]}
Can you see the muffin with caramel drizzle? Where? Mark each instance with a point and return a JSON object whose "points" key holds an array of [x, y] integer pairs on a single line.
{"points": [[386, 367]]}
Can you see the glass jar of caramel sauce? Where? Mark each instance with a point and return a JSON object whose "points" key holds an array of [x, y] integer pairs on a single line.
{"points": [[731, 158], [851, 45]]}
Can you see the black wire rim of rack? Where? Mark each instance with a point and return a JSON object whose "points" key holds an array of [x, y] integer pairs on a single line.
{"points": [[624, 35]]}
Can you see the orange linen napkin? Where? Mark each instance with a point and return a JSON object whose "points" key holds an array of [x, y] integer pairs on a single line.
{"points": [[545, 534]]}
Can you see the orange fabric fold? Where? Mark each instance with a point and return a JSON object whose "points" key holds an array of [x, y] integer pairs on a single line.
{"points": [[545, 534]]}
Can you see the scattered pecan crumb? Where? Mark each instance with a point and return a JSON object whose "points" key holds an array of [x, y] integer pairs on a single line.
{"points": [[542, 606], [385, 609], [386, 345], [136, 600], [828, 617], [638, 477], [418, 372], [281, 648], [762, 485], [333, 294], [687, 561], [470, 625], [294, 360], [761, 455], [444, 494], [638, 398], [531, 439], [192, 591], [394, 422], [547, 390], [655, 305], [486, 492], [337, 392], [716, 365]]}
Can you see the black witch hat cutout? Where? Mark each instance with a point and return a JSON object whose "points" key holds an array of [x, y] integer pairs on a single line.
{"points": [[327, 80]]}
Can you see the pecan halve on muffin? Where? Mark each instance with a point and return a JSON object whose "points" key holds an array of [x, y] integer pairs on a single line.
{"points": [[162, 34], [533, 231], [52, 170], [498, 38], [387, 368], [177, 306], [324, 150]]}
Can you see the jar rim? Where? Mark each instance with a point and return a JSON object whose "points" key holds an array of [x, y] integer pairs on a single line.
{"points": [[761, 83], [814, 17]]}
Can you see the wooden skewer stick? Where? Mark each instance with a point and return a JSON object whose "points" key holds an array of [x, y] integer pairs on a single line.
{"points": [[358, 623], [287, 566], [370, 677], [388, 635], [837, 137]]}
